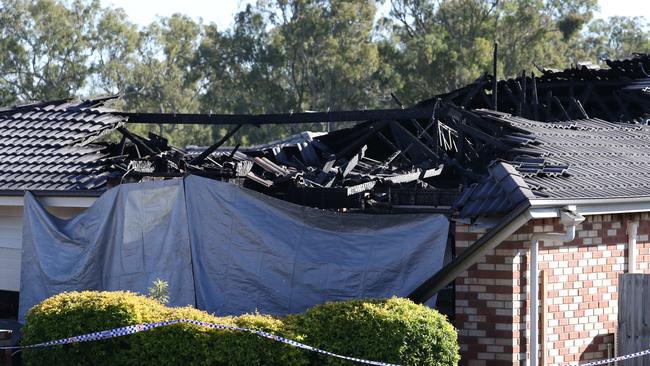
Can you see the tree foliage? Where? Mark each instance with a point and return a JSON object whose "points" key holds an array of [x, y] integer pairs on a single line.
{"points": [[292, 55], [617, 37], [46, 48]]}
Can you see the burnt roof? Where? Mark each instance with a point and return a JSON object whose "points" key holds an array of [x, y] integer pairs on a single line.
{"points": [[48, 146], [616, 93], [555, 136]]}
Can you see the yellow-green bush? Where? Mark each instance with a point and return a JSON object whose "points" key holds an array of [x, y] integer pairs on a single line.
{"points": [[392, 330], [76, 313], [388, 330]]}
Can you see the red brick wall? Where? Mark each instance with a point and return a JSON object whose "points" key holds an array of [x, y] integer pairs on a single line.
{"points": [[492, 296]]}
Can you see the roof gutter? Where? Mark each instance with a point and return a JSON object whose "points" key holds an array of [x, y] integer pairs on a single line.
{"points": [[506, 227], [550, 208]]}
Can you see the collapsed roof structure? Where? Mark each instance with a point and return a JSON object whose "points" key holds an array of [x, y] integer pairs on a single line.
{"points": [[616, 94], [561, 134]]}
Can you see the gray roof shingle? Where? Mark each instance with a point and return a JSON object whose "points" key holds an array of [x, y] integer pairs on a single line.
{"points": [[49, 146], [578, 159]]}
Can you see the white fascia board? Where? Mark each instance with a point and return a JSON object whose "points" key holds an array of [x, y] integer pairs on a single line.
{"points": [[50, 201], [550, 208]]}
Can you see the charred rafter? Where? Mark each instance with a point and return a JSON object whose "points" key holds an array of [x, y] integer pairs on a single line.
{"points": [[620, 93]]}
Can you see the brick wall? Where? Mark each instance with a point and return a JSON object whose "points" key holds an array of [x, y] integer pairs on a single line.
{"points": [[581, 291]]}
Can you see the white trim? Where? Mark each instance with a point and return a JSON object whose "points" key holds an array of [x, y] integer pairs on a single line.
{"points": [[50, 201], [632, 230], [614, 208], [544, 213], [541, 202]]}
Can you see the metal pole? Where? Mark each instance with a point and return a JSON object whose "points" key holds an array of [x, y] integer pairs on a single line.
{"points": [[534, 307], [542, 334], [632, 228], [494, 75], [533, 339]]}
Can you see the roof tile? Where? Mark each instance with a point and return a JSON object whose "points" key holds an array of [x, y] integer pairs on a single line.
{"points": [[579, 159], [41, 145]]}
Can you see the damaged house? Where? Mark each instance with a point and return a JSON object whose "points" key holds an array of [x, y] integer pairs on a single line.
{"points": [[546, 176]]}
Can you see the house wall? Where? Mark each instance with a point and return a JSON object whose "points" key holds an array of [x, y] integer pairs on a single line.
{"points": [[581, 291], [11, 232], [11, 221]]}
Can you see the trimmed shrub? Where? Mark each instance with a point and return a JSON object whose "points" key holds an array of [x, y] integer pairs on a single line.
{"points": [[390, 330], [76, 313], [239, 348]]}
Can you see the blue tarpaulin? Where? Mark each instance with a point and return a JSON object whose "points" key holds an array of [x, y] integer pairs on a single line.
{"points": [[225, 249]]}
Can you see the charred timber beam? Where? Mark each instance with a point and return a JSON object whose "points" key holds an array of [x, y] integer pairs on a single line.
{"points": [[524, 86], [535, 100], [137, 141], [281, 118], [522, 98], [478, 87], [369, 131], [495, 82], [397, 100], [543, 83], [423, 147], [561, 107], [397, 151], [578, 106], [513, 99], [215, 146]]}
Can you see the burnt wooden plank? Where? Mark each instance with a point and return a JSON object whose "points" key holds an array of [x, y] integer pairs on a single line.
{"points": [[280, 118]]}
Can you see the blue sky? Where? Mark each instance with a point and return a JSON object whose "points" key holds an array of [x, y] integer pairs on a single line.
{"points": [[143, 12]]}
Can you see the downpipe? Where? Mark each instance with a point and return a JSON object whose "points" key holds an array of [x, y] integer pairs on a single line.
{"points": [[570, 219], [632, 230]]}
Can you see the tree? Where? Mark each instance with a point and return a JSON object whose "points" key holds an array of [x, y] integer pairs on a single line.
{"points": [[241, 74], [46, 48], [438, 46], [296, 55], [570, 17], [117, 54], [329, 59], [616, 37], [164, 79]]}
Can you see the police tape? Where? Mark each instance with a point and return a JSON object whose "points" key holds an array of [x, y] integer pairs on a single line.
{"points": [[136, 328], [615, 359]]}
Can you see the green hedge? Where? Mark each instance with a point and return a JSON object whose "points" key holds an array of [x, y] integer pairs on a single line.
{"points": [[76, 313], [391, 330]]}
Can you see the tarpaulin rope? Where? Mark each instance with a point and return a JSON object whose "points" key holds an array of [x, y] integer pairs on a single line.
{"points": [[136, 328], [615, 359]]}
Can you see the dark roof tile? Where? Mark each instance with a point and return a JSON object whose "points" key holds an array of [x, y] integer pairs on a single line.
{"points": [[49, 146], [579, 159]]}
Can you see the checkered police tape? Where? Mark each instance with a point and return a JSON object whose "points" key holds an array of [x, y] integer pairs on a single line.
{"points": [[131, 329], [615, 359]]}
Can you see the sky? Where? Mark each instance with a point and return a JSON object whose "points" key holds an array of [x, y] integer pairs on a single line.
{"points": [[143, 12]]}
